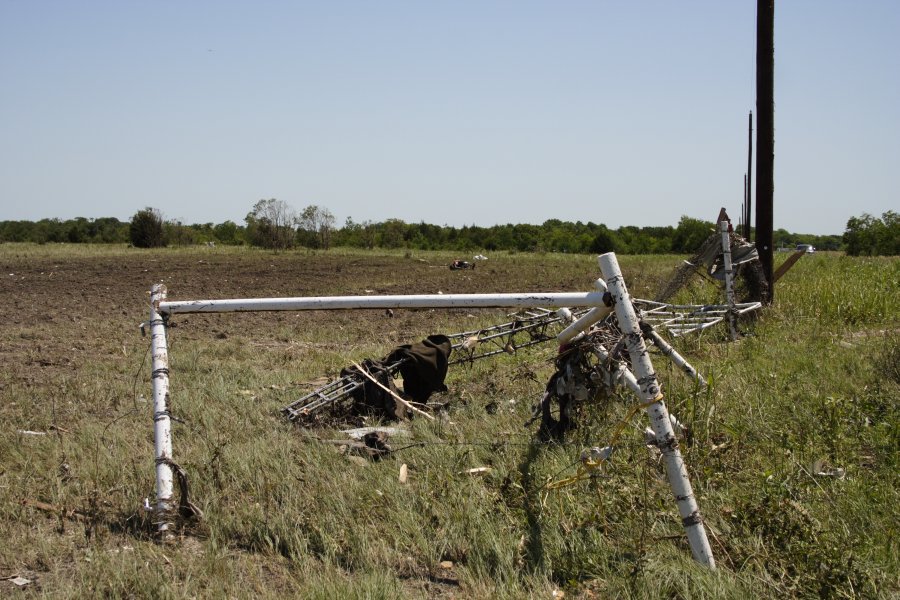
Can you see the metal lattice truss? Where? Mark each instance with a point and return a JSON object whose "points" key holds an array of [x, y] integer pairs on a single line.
{"points": [[681, 319], [526, 328]]}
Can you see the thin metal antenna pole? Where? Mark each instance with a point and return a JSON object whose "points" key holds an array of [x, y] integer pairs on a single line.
{"points": [[729, 278]]}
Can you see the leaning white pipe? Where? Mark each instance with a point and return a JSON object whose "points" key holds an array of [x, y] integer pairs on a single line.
{"points": [[523, 300], [659, 416], [729, 278], [162, 430], [668, 350], [596, 314]]}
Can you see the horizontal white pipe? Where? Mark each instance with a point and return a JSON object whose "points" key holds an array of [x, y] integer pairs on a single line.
{"points": [[524, 300]]}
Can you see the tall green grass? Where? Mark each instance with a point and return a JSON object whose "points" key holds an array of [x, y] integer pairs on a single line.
{"points": [[811, 388]]}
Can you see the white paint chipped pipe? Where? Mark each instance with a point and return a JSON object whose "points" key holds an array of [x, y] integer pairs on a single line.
{"points": [[583, 324], [651, 395], [162, 424], [681, 362], [523, 300]]}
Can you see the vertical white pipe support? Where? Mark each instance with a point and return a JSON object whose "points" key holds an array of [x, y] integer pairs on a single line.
{"points": [[162, 424], [729, 278], [659, 417]]}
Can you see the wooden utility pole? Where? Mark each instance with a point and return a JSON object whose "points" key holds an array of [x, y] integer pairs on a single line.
{"points": [[748, 198], [765, 137]]}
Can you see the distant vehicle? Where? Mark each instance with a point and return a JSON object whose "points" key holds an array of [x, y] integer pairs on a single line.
{"points": [[808, 248]]}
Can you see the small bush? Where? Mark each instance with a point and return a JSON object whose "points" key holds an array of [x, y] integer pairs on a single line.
{"points": [[147, 229]]}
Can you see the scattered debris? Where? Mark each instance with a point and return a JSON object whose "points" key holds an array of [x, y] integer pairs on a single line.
{"points": [[708, 263], [402, 401], [458, 265], [589, 365], [71, 514], [590, 369], [789, 262], [360, 432], [367, 388], [475, 471], [376, 445]]}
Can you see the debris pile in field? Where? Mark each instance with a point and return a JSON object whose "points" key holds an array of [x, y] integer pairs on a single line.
{"points": [[590, 369], [368, 387], [708, 262]]}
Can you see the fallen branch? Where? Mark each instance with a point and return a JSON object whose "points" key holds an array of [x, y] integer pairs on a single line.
{"points": [[68, 514]]}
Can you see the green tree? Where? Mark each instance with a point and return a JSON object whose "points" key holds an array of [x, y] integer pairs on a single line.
{"points": [[315, 227], [179, 234], [604, 241], [271, 224], [690, 235], [392, 233], [868, 236], [227, 233], [147, 229]]}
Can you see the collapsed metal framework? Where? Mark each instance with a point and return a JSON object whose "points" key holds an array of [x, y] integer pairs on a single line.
{"points": [[723, 256], [527, 328], [610, 296], [682, 319]]}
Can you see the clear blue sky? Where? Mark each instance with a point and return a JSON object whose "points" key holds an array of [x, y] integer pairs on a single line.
{"points": [[465, 112]]}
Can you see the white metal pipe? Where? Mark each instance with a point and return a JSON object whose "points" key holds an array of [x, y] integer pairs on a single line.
{"points": [[523, 300], [659, 417], [668, 350], [729, 278], [596, 314], [162, 424]]}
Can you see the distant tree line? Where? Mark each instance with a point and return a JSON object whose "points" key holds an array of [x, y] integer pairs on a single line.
{"points": [[870, 236], [275, 225]]}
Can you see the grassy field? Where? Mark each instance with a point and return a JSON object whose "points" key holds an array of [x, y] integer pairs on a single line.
{"points": [[792, 450]]}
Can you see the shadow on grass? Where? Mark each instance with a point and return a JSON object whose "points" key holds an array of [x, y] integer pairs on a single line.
{"points": [[534, 543]]}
